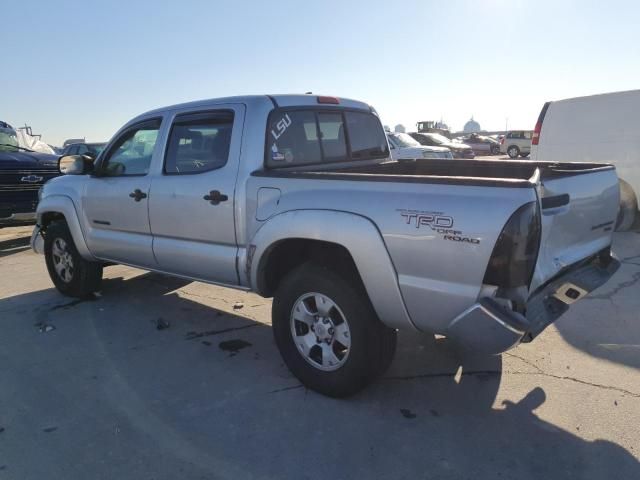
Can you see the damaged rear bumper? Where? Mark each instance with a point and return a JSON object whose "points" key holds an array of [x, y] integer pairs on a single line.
{"points": [[490, 327]]}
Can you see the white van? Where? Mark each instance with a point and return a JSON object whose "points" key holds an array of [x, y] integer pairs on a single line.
{"points": [[599, 128]]}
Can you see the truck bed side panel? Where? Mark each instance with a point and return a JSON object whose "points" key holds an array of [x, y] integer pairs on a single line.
{"points": [[439, 236]]}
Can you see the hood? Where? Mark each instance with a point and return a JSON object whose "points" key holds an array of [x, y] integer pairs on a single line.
{"points": [[26, 160]]}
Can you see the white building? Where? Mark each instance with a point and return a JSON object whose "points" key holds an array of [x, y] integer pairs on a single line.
{"points": [[471, 126]]}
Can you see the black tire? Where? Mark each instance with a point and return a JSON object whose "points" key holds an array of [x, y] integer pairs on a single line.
{"points": [[513, 151], [82, 277], [628, 208], [524, 155], [372, 343]]}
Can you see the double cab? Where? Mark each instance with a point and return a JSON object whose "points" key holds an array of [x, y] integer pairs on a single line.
{"points": [[296, 197]]}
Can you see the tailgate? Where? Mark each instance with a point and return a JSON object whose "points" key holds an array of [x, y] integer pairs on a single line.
{"points": [[579, 210]]}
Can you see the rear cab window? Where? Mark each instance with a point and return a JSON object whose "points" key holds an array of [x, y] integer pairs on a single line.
{"points": [[314, 136]]}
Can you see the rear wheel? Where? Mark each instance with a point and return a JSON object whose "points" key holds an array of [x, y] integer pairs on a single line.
{"points": [[328, 333], [524, 155], [513, 151], [71, 274]]}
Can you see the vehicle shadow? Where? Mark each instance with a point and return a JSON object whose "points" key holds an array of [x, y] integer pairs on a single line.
{"points": [[605, 324], [197, 391], [14, 245]]}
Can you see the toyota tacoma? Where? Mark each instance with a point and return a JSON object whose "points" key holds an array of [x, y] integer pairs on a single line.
{"points": [[296, 197]]}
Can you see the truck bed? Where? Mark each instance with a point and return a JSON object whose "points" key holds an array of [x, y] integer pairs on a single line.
{"points": [[578, 204], [506, 173]]}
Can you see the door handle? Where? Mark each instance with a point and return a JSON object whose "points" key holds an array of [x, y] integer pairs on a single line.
{"points": [[215, 197], [138, 195]]}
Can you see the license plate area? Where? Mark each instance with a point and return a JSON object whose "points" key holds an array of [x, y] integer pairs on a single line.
{"points": [[569, 293]]}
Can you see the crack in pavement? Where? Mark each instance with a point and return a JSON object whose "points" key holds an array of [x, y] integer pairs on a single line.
{"points": [[284, 389], [508, 372], [209, 333], [621, 286], [524, 360]]}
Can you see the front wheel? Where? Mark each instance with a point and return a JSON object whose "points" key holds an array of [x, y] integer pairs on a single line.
{"points": [[328, 333], [71, 274]]}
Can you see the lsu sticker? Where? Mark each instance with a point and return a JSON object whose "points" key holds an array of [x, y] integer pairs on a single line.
{"points": [[281, 126]]}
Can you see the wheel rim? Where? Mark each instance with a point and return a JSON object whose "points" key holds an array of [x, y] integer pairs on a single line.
{"points": [[513, 152], [62, 260], [320, 331]]}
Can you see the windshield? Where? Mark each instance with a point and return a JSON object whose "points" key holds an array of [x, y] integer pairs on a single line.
{"points": [[439, 139], [96, 148], [404, 140], [8, 141]]}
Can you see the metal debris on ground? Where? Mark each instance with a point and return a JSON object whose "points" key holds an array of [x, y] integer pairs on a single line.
{"points": [[238, 305], [45, 327]]}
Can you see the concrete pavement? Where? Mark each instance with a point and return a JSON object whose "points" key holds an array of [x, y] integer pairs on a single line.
{"points": [[158, 378]]}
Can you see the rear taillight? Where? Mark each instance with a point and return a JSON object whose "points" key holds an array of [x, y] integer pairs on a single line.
{"points": [[536, 134], [535, 138], [515, 253]]}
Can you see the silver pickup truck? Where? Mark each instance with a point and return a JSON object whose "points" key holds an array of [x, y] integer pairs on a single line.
{"points": [[295, 197]]}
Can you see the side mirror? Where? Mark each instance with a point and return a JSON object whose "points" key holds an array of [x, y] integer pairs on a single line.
{"points": [[75, 164]]}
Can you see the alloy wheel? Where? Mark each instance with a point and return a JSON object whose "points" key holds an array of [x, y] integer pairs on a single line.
{"points": [[62, 260], [320, 331]]}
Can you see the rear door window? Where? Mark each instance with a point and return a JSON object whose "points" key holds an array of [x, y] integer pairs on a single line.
{"points": [[199, 143]]}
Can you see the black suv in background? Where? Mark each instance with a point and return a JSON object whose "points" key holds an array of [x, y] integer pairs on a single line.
{"points": [[22, 173]]}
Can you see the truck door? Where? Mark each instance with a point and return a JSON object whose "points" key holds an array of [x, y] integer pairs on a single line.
{"points": [[115, 200], [191, 207]]}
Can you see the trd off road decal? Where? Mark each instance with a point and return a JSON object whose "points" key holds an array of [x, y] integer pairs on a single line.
{"points": [[437, 222]]}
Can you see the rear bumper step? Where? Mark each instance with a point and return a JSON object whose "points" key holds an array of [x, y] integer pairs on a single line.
{"points": [[489, 327]]}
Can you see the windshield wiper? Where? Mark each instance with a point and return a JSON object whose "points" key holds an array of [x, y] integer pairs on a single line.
{"points": [[16, 147]]}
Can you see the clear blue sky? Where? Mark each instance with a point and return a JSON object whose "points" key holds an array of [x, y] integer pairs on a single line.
{"points": [[80, 68]]}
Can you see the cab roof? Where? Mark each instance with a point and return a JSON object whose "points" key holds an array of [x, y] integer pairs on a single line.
{"points": [[280, 100]]}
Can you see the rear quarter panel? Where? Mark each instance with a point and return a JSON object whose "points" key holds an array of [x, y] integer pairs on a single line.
{"points": [[438, 278]]}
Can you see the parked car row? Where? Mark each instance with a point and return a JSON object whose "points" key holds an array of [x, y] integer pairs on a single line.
{"points": [[404, 147], [458, 150], [481, 144]]}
